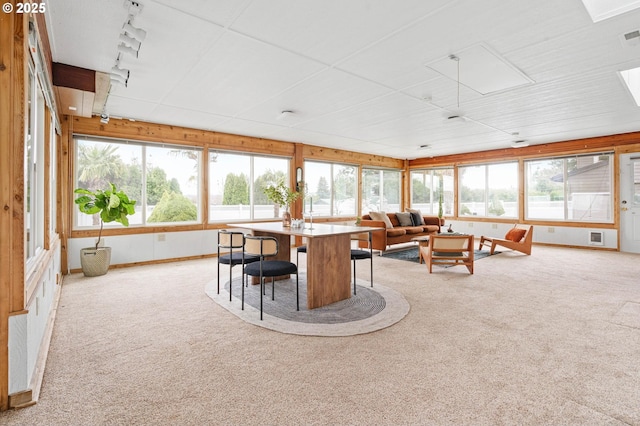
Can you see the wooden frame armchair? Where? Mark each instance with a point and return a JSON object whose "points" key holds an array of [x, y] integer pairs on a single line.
{"points": [[518, 238], [451, 250]]}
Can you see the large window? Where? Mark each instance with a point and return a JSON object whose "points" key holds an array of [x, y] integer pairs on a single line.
{"points": [[574, 188], [429, 187], [34, 165], [164, 180], [330, 189], [236, 184], [489, 190], [381, 190]]}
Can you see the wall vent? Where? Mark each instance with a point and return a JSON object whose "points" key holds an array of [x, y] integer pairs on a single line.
{"points": [[631, 39], [596, 238]]}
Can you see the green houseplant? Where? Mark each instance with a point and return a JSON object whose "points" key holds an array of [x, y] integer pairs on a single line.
{"points": [[281, 195], [113, 206]]}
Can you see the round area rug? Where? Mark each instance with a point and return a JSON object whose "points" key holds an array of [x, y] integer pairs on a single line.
{"points": [[371, 309]]}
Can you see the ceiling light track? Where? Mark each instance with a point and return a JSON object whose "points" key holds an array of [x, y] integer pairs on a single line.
{"points": [[130, 41]]}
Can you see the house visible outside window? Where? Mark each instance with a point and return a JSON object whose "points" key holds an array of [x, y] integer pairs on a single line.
{"points": [[426, 188], [164, 180], [576, 189], [489, 190], [237, 182], [330, 189], [381, 190]]}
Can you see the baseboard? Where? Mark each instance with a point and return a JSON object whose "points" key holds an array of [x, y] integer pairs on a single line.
{"points": [[30, 396]]}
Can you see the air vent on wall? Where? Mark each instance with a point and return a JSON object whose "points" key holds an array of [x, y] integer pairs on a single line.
{"points": [[596, 238], [631, 39]]}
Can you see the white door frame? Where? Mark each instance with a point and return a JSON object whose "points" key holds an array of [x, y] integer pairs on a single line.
{"points": [[629, 204]]}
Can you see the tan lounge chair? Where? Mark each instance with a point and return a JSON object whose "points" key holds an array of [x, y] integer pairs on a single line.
{"points": [[518, 238]]}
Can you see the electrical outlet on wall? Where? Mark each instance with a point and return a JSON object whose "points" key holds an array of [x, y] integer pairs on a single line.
{"points": [[162, 237], [551, 229], [494, 226]]}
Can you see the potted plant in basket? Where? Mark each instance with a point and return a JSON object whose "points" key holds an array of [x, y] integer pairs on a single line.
{"points": [[113, 206], [281, 195]]}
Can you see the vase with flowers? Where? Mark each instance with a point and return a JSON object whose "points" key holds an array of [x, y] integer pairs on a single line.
{"points": [[282, 196]]}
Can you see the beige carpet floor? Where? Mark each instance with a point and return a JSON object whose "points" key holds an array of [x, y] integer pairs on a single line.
{"points": [[552, 338]]}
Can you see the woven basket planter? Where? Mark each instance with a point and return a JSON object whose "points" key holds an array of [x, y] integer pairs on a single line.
{"points": [[95, 262]]}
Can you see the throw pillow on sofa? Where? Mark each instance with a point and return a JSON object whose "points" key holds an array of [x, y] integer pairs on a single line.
{"points": [[381, 216], [416, 215], [404, 219]]}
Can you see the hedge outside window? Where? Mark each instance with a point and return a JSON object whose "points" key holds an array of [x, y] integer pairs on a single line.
{"points": [[489, 190], [426, 187], [330, 189], [236, 184], [164, 180], [381, 190], [577, 188]]}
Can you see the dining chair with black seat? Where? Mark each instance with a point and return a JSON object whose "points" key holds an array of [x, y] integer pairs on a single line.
{"points": [[232, 243], [263, 247], [359, 254]]}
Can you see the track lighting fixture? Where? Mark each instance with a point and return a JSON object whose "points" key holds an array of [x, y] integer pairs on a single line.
{"points": [[131, 42], [133, 32], [120, 72], [123, 48], [115, 78], [104, 117]]}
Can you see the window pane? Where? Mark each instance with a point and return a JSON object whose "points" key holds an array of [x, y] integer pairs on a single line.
{"points": [[380, 190], [472, 190], [101, 163], [426, 187], [589, 185], [318, 189], [172, 176], [545, 189], [571, 189], [268, 171], [236, 186], [229, 177], [344, 190], [636, 182], [502, 190], [330, 189]]}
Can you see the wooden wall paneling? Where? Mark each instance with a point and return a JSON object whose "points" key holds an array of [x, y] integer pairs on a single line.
{"points": [[521, 191], [13, 51], [65, 188], [318, 153], [406, 186], [204, 185], [142, 131], [47, 179], [579, 146]]}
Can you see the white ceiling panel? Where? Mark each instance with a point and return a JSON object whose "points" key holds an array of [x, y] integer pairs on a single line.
{"points": [[330, 30], [354, 72], [237, 74], [328, 91]]}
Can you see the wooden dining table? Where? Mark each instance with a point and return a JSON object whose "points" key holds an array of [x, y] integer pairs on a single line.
{"points": [[328, 256]]}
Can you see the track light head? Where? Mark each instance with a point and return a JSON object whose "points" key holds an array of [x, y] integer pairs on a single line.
{"points": [[120, 72], [104, 117], [133, 32], [123, 48], [129, 41]]}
